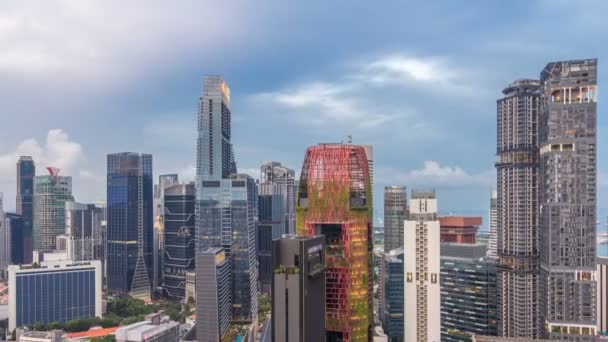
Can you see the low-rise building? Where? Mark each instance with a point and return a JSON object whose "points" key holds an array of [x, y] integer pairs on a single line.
{"points": [[153, 329], [39, 336], [57, 291]]}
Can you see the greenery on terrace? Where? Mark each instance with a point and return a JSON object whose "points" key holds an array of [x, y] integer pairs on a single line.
{"points": [[121, 311]]}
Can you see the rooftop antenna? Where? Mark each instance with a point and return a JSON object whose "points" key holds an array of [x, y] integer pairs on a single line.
{"points": [[350, 139]]}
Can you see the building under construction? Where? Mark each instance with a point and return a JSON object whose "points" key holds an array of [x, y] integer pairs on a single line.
{"points": [[334, 199]]}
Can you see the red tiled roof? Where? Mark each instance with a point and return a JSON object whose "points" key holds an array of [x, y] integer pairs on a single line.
{"points": [[93, 333]]}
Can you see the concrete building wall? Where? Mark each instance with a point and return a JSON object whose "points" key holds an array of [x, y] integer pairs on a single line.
{"points": [[422, 270], [517, 168], [568, 178]]}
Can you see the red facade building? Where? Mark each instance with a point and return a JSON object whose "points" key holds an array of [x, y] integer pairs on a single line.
{"points": [[461, 229], [334, 199]]}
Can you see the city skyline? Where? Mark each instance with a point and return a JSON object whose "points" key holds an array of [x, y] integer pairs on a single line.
{"points": [[427, 76]]}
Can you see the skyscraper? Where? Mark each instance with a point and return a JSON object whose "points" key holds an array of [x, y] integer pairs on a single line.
{"points": [[493, 226], [226, 202], [517, 170], [235, 233], [276, 211], [568, 153], [129, 225], [334, 200], [422, 269], [392, 296], [26, 170], [164, 181], [212, 294], [395, 214], [298, 289], [215, 157], [51, 192], [179, 238]]}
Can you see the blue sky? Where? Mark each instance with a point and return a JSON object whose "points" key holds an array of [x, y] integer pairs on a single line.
{"points": [[417, 80]]}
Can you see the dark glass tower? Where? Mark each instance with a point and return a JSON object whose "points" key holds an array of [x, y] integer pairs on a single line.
{"points": [[129, 227], [392, 300], [468, 292], [568, 155], [179, 237], [26, 170], [298, 289]]}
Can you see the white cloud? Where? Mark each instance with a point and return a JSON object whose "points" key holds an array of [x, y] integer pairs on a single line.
{"points": [[436, 75], [320, 103], [57, 151], [105, 41], [433, 174], [378, 92]]}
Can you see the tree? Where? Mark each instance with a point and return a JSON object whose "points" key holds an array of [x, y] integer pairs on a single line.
{"points": [[55, 326]]}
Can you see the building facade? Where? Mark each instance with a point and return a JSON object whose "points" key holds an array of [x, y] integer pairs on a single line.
{"points": [[26, 170], [468, 292], [422, 269], [298, 289], [212, 294], [602, 296], [164, 181], [568, 174], [85, 230], [395, 214], [227, 218], [517, 171], [334, 200], [51, 192], [493, 226], [392, 295], [129, 225], [179, 237], [57, 291]]}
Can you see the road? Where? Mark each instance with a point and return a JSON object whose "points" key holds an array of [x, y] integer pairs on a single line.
{"points": [[266, 334]]}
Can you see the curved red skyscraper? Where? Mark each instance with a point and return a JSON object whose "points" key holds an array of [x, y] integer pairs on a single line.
{"points": [[335, 200]]}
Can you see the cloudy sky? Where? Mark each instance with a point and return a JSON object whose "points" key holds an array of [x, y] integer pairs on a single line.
{"points": [[417, 80]]}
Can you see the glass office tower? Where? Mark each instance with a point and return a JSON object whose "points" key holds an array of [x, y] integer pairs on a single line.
{"points": [[179, 237], [51, 192], [227, 218], [129, 225]]}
